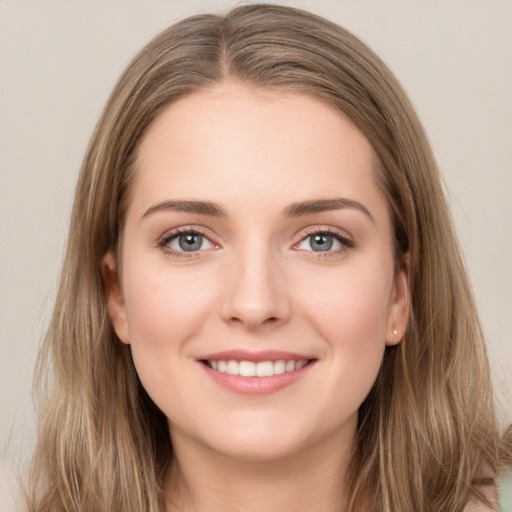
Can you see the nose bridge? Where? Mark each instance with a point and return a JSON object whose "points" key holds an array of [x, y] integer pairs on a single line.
{"points": [[256, 294]]}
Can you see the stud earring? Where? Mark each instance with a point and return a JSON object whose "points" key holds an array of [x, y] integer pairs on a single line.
{"points": [[395, 332]]}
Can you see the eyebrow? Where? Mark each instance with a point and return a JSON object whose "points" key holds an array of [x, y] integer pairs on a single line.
{"points": [[199, 207], [324, 205], [298, 209]]}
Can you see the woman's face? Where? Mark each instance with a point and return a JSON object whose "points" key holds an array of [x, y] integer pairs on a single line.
{"points": [[258, 289]]}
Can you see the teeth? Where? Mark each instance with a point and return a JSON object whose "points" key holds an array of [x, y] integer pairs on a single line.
{"points": [[232, 368], [290, 366], [247, 368], [300, 364], [265, 369], [252, 369], [279, 367]]}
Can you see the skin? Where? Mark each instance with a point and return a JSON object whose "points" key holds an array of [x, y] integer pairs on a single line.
{"points": [[257, 284]]}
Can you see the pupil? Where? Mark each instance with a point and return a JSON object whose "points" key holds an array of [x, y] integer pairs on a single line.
{"points": [[191, 242], [322, 242]]}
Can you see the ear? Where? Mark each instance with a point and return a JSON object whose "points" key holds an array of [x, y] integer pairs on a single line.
{"points": [[399, 306], [115, 302]]}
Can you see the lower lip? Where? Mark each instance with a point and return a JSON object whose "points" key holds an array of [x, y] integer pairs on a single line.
{"points": [[257, 385]]}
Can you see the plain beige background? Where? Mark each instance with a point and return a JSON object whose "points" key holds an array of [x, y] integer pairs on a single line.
{"points": [[59, 60]]}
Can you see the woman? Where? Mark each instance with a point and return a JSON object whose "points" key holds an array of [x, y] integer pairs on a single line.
{"points": [[263, 303]]}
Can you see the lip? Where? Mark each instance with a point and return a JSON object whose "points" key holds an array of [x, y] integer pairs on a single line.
{"points": [[256, 356], [256, 385]]}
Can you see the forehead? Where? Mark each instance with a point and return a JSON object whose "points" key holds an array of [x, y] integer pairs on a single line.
{"points": [[252, 142]]}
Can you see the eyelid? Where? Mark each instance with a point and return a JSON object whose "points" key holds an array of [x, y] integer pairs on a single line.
{"points": [[163, 241], [342, 236]]}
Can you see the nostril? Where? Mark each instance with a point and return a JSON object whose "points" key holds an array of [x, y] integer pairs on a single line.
{"points": [[270, 320]]}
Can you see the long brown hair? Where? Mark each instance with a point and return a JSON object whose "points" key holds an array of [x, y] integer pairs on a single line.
{"points": [[427, 435]]}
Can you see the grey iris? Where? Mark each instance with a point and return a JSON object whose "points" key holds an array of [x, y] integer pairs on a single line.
{"points": [[321, 242], [191, 242]]}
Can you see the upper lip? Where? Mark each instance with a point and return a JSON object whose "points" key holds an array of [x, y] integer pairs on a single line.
{"points": [[256, 356]]}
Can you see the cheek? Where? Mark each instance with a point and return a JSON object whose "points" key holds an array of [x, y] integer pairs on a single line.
{"points": [[159, 297], [165, 310], [351, 316], [351, 303]]}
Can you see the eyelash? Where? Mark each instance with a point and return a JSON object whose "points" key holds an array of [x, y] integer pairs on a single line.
{"points": [[346, 242], [163, 243]]}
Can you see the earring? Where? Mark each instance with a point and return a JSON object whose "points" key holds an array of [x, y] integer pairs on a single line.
{"points": [[395, 332]]}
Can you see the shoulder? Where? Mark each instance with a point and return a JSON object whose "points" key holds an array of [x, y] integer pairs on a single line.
{"points": [[505, 491], [501, 494]]}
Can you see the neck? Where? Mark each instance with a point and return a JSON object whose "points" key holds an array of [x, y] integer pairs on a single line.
{"points": [[312, 479]]}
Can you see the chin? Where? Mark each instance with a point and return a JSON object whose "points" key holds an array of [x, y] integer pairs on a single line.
{"points": [[263, 448], [269, 439]]}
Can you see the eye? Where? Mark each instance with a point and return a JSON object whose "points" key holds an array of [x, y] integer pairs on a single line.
{"points": [[324, 241], [186, 242]]}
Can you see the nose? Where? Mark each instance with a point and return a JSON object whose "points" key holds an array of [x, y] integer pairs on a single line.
{"points": [[256, 295]]}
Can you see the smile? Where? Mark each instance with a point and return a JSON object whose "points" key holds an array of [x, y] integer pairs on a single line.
{"points": [[256, 373], [256, 369]]}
